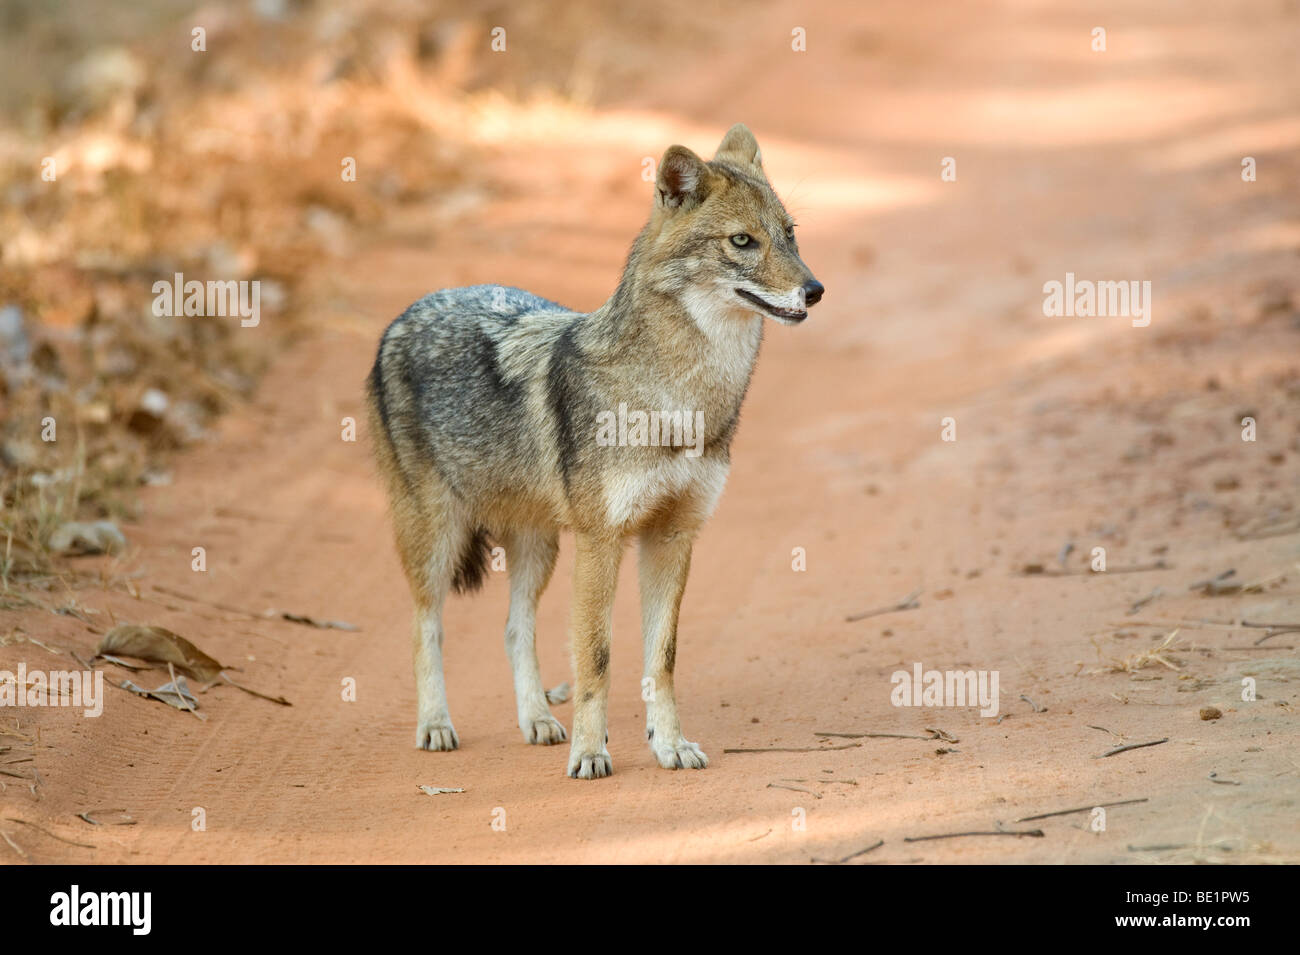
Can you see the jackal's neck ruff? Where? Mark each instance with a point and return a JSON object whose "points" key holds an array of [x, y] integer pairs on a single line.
{"points": [[694, 342]]}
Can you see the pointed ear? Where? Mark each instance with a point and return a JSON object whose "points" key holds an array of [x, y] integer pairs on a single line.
{"points": [[682, 180], [740, 146]]}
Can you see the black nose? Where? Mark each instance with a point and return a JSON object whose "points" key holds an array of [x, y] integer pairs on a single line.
{"points": [[812, 292]]}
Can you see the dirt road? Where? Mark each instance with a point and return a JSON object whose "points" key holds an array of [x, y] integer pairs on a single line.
{"points": [[1115, 165]]}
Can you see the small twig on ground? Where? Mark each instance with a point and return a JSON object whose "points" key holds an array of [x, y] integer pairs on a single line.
{"points": [[119, 662], [1220, 844], [264, 615], [251, 692], [52, 835], [1214, 778], [907, 603], [311, 621], [794, 749], [934, 734], [851, 855], [216, 605], [1216, 585], [1276, 633], [1035, 833], [15, 637], [1164, 848], [87, 817], [1071, 812], [1124, 749], [1036, 707], [1143, 601], [1220, 587], [1258, 586], [1038, 570], [13, 845], [1104, 730]]}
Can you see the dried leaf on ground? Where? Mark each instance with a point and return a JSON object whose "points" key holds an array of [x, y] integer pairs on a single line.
{"points": [[159, 645], [175, 694], [120, 817]]}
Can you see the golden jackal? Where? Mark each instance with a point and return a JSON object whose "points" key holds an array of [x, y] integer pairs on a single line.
{"points": [[500, 416]]}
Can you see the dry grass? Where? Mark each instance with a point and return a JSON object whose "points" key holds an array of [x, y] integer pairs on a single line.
{"points": [[57, 487], [1139, 660]]}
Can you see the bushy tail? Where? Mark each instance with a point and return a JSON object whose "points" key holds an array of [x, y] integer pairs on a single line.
{"points": [[472, 568]]}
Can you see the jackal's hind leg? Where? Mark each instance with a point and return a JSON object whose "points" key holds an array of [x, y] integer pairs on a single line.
{"points": [[429, 555], [530, 558]]}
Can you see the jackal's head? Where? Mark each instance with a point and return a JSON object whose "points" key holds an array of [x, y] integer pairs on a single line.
{"points": [[720, 239]]}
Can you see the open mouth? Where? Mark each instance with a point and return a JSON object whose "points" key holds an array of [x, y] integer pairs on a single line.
{"points": [[784, 314]]}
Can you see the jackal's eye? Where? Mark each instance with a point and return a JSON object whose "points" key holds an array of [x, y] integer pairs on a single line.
{"points": [[740, 240], [789, 232]]}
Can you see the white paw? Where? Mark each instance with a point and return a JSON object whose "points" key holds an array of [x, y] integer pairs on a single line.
{"points": [[436, 735], [682, 755], [546, 731], [590, 765]]}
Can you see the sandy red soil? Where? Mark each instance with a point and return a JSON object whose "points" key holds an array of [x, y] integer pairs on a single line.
{"points": [[1116, 165]]}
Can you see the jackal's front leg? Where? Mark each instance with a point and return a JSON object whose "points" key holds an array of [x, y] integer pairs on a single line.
{"points": [[665, 560], [595, 577]]}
